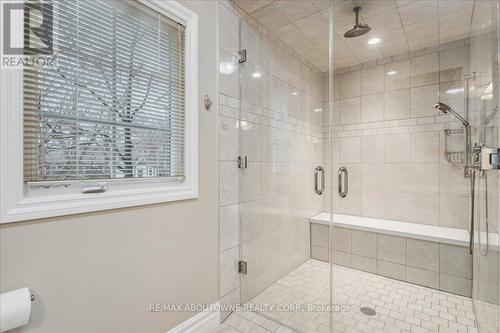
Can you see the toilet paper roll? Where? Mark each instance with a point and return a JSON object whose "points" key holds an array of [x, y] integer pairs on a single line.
{"points": [[15, 309]]}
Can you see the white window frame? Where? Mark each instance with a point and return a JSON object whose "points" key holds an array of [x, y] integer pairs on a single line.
{"points": [[16, 204]]}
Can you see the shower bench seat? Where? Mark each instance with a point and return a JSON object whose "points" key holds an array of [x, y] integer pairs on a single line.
{"points": [[431, 256], [433, 233]]}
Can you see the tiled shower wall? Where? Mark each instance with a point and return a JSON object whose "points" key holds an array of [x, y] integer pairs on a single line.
{"points": [[275, 118], [392, 141]]}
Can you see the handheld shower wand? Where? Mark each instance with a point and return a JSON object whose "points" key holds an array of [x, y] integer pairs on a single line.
{"points": [[447, 109], [468, 170]]}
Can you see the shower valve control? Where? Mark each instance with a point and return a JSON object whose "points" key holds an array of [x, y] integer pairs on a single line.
{"points": [[486, 158]]}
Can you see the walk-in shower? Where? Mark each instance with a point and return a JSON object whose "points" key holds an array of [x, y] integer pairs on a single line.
{"points": [[396, 116]]}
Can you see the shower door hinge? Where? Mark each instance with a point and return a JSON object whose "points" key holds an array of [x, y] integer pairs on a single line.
{"points": [[242, 162], [242, 267], [243, 56]]}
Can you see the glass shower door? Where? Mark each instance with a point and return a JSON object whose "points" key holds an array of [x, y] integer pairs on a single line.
{"points": [[483, 103], [280, 145]]}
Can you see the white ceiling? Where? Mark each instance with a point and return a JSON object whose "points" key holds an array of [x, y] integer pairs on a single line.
{"points": [[401, 25]]}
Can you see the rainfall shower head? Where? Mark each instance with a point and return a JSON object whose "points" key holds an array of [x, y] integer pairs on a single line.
{"points": [[445, 109], [359, 28]]}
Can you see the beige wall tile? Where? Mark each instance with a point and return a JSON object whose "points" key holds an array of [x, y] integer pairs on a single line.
{"points": [[250, 181], [397, 148], [424, 208], [228, 183], [350, 84], [372, 108], [228, 30], [424, 70], [422, 277], [455, 260], [364, 263], [452, 180], [423, 254], [453, 211], [424, 177], [401, 78], [229, 227], [372, 80], [319, 253], [229, 83], [228, 139], [320, 235], [455, 285], [422, 99], [372, 204], [350, 111], [351, 204], [373, 148], [341, 239], [424, 147], [391, 248], [397, 104], [350, 149], [453, 63], [250, 86], [250, 144], [391, 269], [372, 177], [397, 206], [251, 221], [364, 243], [452, 94], [397, 177], [229, 277], [342, 258]]}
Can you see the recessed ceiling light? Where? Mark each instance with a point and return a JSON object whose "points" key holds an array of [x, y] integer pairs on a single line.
{"points": [[374, 41], [392, 73], [318, 110], [256, 74], [295, 93]]}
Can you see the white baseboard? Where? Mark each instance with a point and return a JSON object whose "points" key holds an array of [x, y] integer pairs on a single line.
{"points": [[203, 322]]}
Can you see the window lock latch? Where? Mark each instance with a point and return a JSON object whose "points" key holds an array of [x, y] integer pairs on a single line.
{"points": [[98, 188]]}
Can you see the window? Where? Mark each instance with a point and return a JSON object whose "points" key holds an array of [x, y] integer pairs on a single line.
{"points": [[118, 107]]}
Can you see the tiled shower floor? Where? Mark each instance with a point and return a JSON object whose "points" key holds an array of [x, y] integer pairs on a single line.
{"points": [[399, 306]]}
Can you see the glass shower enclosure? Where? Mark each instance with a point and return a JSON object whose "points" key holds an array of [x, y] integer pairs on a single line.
{"points": [[363, 169]]}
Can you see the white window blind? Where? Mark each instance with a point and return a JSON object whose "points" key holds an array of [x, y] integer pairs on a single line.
{"points": [[114, 105]]}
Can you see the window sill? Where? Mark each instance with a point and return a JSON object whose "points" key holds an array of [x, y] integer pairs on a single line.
{"points": [[60, 205]]}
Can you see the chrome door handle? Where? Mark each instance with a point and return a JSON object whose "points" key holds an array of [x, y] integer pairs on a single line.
{"points": [[317, 171], [343, 182]]}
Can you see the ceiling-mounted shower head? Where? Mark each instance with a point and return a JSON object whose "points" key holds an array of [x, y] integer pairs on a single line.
{"points": [[445, 109], [359, 28]]}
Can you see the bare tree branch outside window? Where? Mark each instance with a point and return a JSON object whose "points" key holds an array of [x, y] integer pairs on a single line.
{"points": [[113, 107]]}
